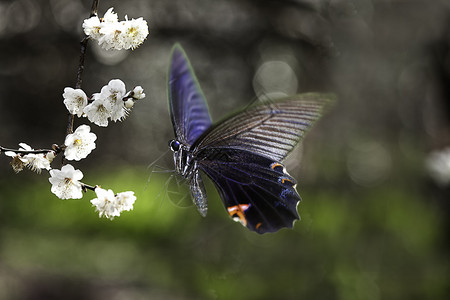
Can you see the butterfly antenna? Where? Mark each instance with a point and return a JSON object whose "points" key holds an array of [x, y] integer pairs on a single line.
{"points": [[150, 166], [153, 165], [178, 201], [252, 102], [181, 183], [164, 190]]}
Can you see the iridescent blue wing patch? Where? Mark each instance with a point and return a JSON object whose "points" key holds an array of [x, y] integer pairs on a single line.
{"points": [[188, 108]]}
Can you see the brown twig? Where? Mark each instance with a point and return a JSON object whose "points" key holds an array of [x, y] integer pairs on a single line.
{"points": [[38, 151], [86, 187], [83, 47]]}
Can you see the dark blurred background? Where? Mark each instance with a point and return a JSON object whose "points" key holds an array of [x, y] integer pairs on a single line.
{"points": [[374, 173]]}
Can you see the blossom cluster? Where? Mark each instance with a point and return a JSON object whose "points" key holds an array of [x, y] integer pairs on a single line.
{"points": [[66, 185], [112, 34], [109, 205], [112, 103], [78, 145], [35, 161]]}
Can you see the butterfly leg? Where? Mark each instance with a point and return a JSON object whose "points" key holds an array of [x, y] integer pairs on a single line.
{"points": [[199, 193]]}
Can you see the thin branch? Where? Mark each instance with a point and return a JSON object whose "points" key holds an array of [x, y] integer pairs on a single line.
{"points": [[38, 151], [86, 187], [83, 47]]}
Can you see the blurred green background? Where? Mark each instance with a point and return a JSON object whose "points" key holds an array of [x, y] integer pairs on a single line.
{"points": [[375, 221]]}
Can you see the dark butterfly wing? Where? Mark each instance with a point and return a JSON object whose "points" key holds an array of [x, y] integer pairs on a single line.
{"points": [[271, 129], [242, 155], [255, 190], [188, 108]]}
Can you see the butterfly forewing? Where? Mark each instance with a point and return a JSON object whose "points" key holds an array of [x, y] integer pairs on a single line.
{"points": [[188, 108], [270, 129]]}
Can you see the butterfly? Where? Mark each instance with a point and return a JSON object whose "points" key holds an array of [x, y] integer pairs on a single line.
{"points": [[241, 154]]}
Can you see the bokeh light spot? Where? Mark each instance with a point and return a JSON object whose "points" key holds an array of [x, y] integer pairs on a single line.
{"points": [[368, 163], [275, 76], [23, 16]]}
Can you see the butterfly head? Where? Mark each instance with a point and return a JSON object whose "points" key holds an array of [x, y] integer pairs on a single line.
{"points": [[182, 158], [174, 145]]}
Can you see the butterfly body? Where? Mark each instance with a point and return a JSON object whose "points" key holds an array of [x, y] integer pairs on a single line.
{"points": [[242, 154], [186, 166]]}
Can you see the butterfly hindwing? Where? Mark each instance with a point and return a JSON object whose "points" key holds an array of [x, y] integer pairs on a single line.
{"points": [[188, 108], [255, 190]]}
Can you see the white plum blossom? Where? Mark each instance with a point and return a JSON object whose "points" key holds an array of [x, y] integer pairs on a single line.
{"points": [[113, 94], [112, 34], [92, 27], [125, 200], [108, 104], [129, 103], [80, 143], [119, 112], [75, 100], [438, 164], [134, 33], [109, 31], [138, 93], [34, 161], [50, 156], [110, 16], [114, 87], [97, 112], [105, 203], [37, 162], [65, 182], [109, 38], [18, 162], [109, 205]]}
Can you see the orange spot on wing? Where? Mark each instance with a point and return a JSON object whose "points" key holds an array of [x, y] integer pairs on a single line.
{"points": [[258, 225], [237, 213], [283, 180], [276, 165]]}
